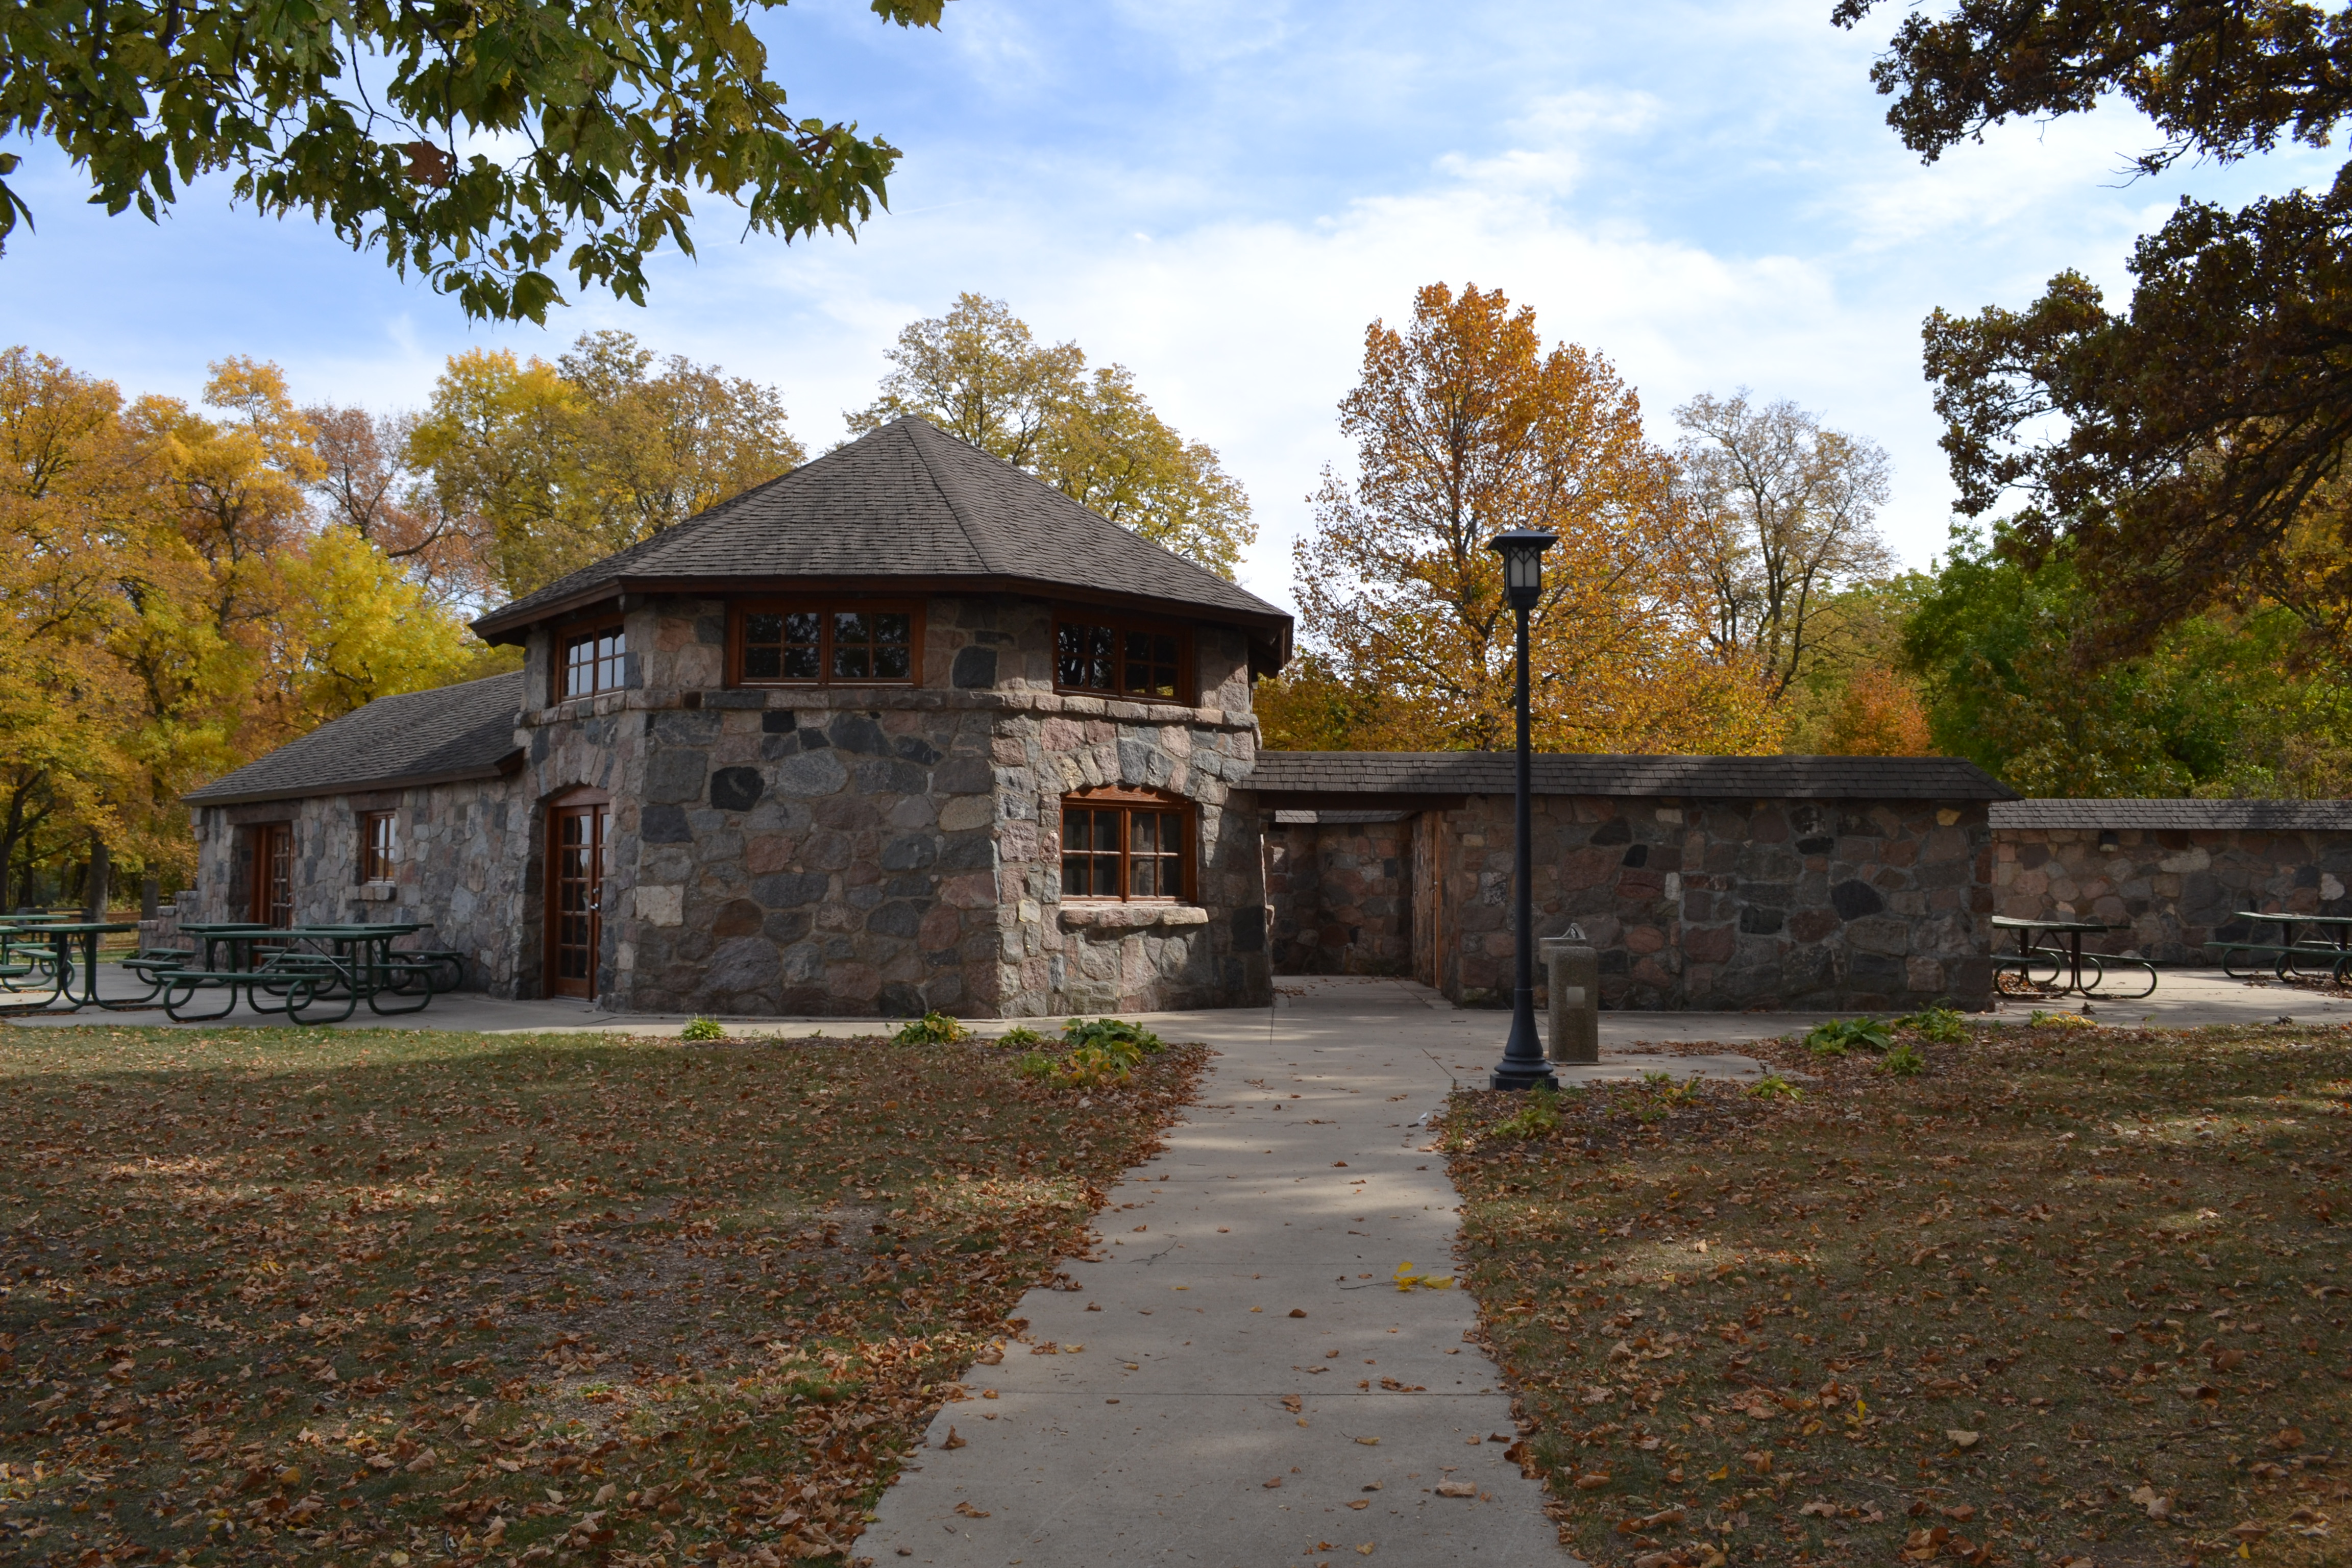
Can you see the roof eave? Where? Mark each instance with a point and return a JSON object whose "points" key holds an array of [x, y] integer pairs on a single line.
{"points": [[505, 627], [503, 768]]}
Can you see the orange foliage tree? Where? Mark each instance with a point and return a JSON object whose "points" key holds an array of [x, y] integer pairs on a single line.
{"points": [[1465, 426]]}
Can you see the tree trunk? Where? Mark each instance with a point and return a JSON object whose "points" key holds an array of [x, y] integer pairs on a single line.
{"points": [[149, 897], [101, 876]]}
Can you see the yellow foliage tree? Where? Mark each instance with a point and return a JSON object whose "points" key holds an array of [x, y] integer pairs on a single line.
{"points": [[170, 606], [554, 466], [1465, 426]]}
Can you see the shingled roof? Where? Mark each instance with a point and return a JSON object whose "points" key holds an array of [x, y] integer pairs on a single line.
{"points": [[452, 732], [905, 501], [1338, 773], [2179, 815]]}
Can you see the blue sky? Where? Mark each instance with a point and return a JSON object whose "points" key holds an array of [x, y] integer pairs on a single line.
{"points": [[1221, 195]]}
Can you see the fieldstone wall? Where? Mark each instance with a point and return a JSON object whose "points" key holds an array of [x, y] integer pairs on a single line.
{"points": [[1341, 896], [848, 851], [456, 872], [1707, 905], [2173, 891]]}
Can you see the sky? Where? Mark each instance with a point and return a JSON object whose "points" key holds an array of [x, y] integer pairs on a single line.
{"points": [[1221, 195]]}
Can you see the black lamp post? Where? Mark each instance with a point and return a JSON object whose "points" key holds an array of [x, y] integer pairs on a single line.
{"points": [[1523, 1064]]}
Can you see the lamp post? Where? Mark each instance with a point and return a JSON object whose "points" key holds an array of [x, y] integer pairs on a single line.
{"points": [[1523, 1064]]}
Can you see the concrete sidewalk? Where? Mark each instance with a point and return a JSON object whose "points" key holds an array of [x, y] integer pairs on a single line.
{"points": [[1251, 1387], [1469, 1040]]}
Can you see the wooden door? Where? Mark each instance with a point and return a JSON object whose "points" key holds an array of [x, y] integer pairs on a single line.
{"points": [[272, 903], [575, 896]]}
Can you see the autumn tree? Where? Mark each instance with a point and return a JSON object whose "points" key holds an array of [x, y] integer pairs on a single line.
{"points": [[2172, 450], [365, 484], [1783, 517], [545, 467], [1466, 424], [979, 373], [170, 604], [485, 152]]}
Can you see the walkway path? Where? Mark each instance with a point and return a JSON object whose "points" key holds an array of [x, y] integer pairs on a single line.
{"points": [[1253, 1388]]}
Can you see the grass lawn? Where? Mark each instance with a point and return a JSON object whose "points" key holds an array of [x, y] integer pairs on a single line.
{"points": [[411, 1297], [2068, 1296]]}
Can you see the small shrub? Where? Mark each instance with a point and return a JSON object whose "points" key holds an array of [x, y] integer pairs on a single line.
{"points": [[1021, 1037], [1773, 1086], [1840, 1036], [702, 1030], [1903, 1061], [1113, 1034], [1087, 1066], [1537, 1117], [932, 1029], [1938, 1025]]}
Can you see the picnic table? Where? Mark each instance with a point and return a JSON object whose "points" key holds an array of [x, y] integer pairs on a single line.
{"points": [[39, 950], [302, 971], [2063, 956], [2289, 954]]}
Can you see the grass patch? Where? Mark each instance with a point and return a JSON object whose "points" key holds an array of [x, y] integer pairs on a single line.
{"points": [[2068, 1295], [411, 1297]]}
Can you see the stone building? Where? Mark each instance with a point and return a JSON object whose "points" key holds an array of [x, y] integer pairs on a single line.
{"points": [[1705, 882], [904, 729], [2171, 875]]}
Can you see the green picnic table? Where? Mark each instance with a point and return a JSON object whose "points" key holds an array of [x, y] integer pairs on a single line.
{"points": [[2291, 954], [2065, 956], [302, 971], [57, 938]]}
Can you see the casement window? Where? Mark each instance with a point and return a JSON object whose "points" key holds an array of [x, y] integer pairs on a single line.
{"points": [[592, 661], [379, 845], [1125, 844], [826, 644], [1105, 656]]}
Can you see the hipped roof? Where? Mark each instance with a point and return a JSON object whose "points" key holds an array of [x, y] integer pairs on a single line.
{"points": [[906, 502]]}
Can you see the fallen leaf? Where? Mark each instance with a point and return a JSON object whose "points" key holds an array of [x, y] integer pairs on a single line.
{"points": [[969, 1512], [955, 1442], [1272, 1484], [1963, 1440], [1820, 1509], [1456, 1489], [1591, 1483], [1297, 1312]]}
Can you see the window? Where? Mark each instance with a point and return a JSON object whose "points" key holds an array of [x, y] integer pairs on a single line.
{"points": [[592, 661], [378, 846], [1118, 659], [821, 645], [1122, 844]]}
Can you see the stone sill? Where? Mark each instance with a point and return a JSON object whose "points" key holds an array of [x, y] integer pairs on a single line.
{"points": [[1130, 917], [375, 893]]}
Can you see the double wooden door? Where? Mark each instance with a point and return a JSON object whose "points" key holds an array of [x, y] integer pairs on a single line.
{"points": [[575, 895]]}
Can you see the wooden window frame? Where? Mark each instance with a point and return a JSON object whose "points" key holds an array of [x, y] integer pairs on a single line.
{"points": [[372, 868], [1187, 671], [824, 607], [1126, 802], [559, 664]]}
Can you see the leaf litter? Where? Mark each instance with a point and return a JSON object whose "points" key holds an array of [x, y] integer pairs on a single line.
{"points": [[2070, 1296], [410, 1297]]}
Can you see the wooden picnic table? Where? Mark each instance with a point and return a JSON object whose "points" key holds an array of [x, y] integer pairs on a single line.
{"points": [[2065, 956]]}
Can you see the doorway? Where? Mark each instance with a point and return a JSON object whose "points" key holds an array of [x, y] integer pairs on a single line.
{"points": [[576, 827], [272, 899]]}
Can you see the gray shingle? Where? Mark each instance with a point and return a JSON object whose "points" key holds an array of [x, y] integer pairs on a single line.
{"points": [[419, 737], [906, 500], [2179, 815], [1701, 778]]}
